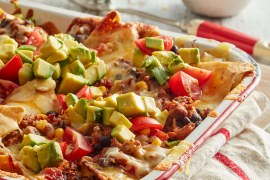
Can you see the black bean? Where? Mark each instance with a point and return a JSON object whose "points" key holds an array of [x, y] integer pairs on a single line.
{"points": [[4, 23], [52, 112], [174, 49], [105, 141], [185, 121], [196, 118], [98, 147], [133, 72]]}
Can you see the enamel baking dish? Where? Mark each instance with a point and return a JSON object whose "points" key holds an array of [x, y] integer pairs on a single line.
{"points": [[62, 18]]}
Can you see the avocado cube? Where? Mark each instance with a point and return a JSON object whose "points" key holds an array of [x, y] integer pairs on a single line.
{"points": [[122, 133], [107, 112], [77, 67], [101, 69], [26, 73], [7, 51], [91, 75], [111, 101], [164, 57], [190, 55], [57, 71], [81, 53], [69, 43], [161, 117], [26, 55], [43, 69], [64, 37], [94, 114], [96, 92], [29, 158], [76, 119], [154, 43], [33, 139], [64, 70], [1, 64], [50, 46], [176, 65], [81, 107], [5, 39], [100, 104], [71, 83], [58, 55], [49, 154], [119, 119], [138, 58], [71, 99], [150, 105], [130, 104]]}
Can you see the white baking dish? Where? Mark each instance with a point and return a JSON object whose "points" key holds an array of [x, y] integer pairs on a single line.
{"points": [[62, 18]]}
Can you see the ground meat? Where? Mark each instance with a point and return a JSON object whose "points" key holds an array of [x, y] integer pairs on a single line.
{"points": [[132, 147], [98, 131], [12, 138]]}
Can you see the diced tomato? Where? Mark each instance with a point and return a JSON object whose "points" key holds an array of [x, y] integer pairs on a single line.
{"points": [[37, 37], [53, 173], [143, 122], [85, 93], [61, 101], [141, 44], [77, 145], [202, 75], [63, 146], [181, 84], [11, 69], [160, 134], [6, 87]]}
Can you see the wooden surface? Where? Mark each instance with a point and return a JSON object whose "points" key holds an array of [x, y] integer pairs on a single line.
{"points": [[253, 20]]}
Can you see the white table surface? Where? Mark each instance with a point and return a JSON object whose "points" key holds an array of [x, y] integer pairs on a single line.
{"points": [[253, 20]]}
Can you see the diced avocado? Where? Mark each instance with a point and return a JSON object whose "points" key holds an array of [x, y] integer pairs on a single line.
{"points": [[122, 133], [71, 84], [71, 99], [161, 117], [81, 107], [43, 69], [94, 114], [100, 104], [25, 73], [50, 46], [76, 119], [96, 92], [69, 43], [49, 154], [101, 69], [7, 51], [119, 119], [29, 158], [130, 104], [1, 64], [152, 62], [27, 47], [64, 37], [5, 39], [138, 58], [64, 63], [65, 70], [91, 75], [33, 139], [77, 67], [190, 55], [154, 43], [176, 65], [58, 55], [164, 57], [81, 53], [57, 71], [111, 101], [150, 105], [26, 55], [107, 112]]}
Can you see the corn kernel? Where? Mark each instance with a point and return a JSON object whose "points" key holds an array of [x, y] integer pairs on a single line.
{"points": [[141, 85], [157, 142], [145, 132], [41, 124], [103, 89], [59, 132]]}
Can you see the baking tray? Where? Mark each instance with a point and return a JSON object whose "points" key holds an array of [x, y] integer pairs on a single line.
{"points": [[62, 19]]}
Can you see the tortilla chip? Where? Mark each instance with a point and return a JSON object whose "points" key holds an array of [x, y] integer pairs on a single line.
{"points": [[112, 39], [91, 169], [10, 117], [9, 175], [226, 76]]}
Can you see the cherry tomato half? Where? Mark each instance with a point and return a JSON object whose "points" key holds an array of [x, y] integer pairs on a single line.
{"points": [[85, 93], [61, 102], [143, 122], [141, 44], [11, 69], [181, 84], [202, 75], [37, 37]]}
